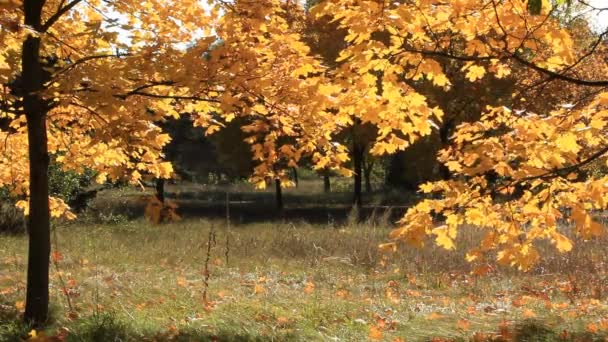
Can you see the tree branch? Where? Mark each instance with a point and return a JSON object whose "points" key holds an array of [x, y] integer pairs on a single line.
{"points": [[60, 12]]}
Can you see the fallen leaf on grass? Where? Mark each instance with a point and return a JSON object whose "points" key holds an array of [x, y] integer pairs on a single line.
{"points": [[463, 324], [375, 334], [433, 316], [283, 321], [528, 313], [342, 294], [258, 289], [181, 282], [309, 288], [20, 305], [56, 256]]}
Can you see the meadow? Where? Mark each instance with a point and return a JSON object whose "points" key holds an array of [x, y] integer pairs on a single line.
{"points": [[120, 278]]}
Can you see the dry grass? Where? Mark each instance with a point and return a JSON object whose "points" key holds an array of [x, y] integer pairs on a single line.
{"points": [[295, 281]]}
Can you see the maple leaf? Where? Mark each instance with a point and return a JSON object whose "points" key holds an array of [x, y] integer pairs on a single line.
{"points": [[443, 237], [562, 243], [568, 143], [475, 72]]}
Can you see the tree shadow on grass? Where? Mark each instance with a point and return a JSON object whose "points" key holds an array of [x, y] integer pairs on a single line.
{"points": [[538, 331], [107, 328]]}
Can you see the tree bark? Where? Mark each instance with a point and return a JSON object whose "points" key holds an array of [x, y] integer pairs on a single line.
{"points": [[160, 189], [295, 176], [279, 195], [326, 181], [358, 169], [35, 107], [367, 170]]}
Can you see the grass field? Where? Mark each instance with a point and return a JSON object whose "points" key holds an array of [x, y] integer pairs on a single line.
{"points": [[200, 280]]}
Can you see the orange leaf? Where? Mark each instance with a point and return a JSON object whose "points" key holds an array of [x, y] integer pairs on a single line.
{"points": [[603, 324], [342, 293], [181, 282], [463, 324], [592, 328], [282, 321], [56, 256], [527, 313], [309, 288], [20, 305], [375, 334], [258, 289], [433, 316]]}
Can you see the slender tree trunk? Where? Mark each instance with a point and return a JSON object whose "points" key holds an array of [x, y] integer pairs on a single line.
{"points": [[35, 107], [279, 195], [295, 176], [444, 135], [37, 296], [160, 189], [326, 181], [358, 169], [367, 170]]}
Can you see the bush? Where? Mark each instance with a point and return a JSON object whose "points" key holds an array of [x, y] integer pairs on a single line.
{"points": [[68, 185], [12, 220]]}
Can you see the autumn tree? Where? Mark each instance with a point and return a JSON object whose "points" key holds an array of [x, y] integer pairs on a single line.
{"points": [[86, 81], [535, 156], [283, 95]]}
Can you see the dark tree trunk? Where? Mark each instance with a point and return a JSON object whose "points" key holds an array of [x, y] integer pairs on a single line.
{"points": [[326, 181], [37, 297], [160, 189], [358, 169], [395, 170], [367, 171], [444, 135], [37, 293], [279, 195], [295, 176]]}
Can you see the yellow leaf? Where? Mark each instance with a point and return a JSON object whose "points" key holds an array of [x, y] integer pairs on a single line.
{"points": [[567, 143], [475, 73], [443, 239], [562, 243], [388, 247]]}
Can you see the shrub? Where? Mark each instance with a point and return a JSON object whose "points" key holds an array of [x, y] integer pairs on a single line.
{"points": [[68, 185], [12, 220]]}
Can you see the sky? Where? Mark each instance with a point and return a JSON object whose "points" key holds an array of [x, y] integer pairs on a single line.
{"points": [[600, 19]]}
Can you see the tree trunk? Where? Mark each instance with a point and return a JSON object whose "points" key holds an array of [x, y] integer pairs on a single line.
{"points": [[326, 181], [444, 135], [367, 170], [160, 189], [358, 169], [279, 195], [37, 297], [35, 107], [295, 176]]}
